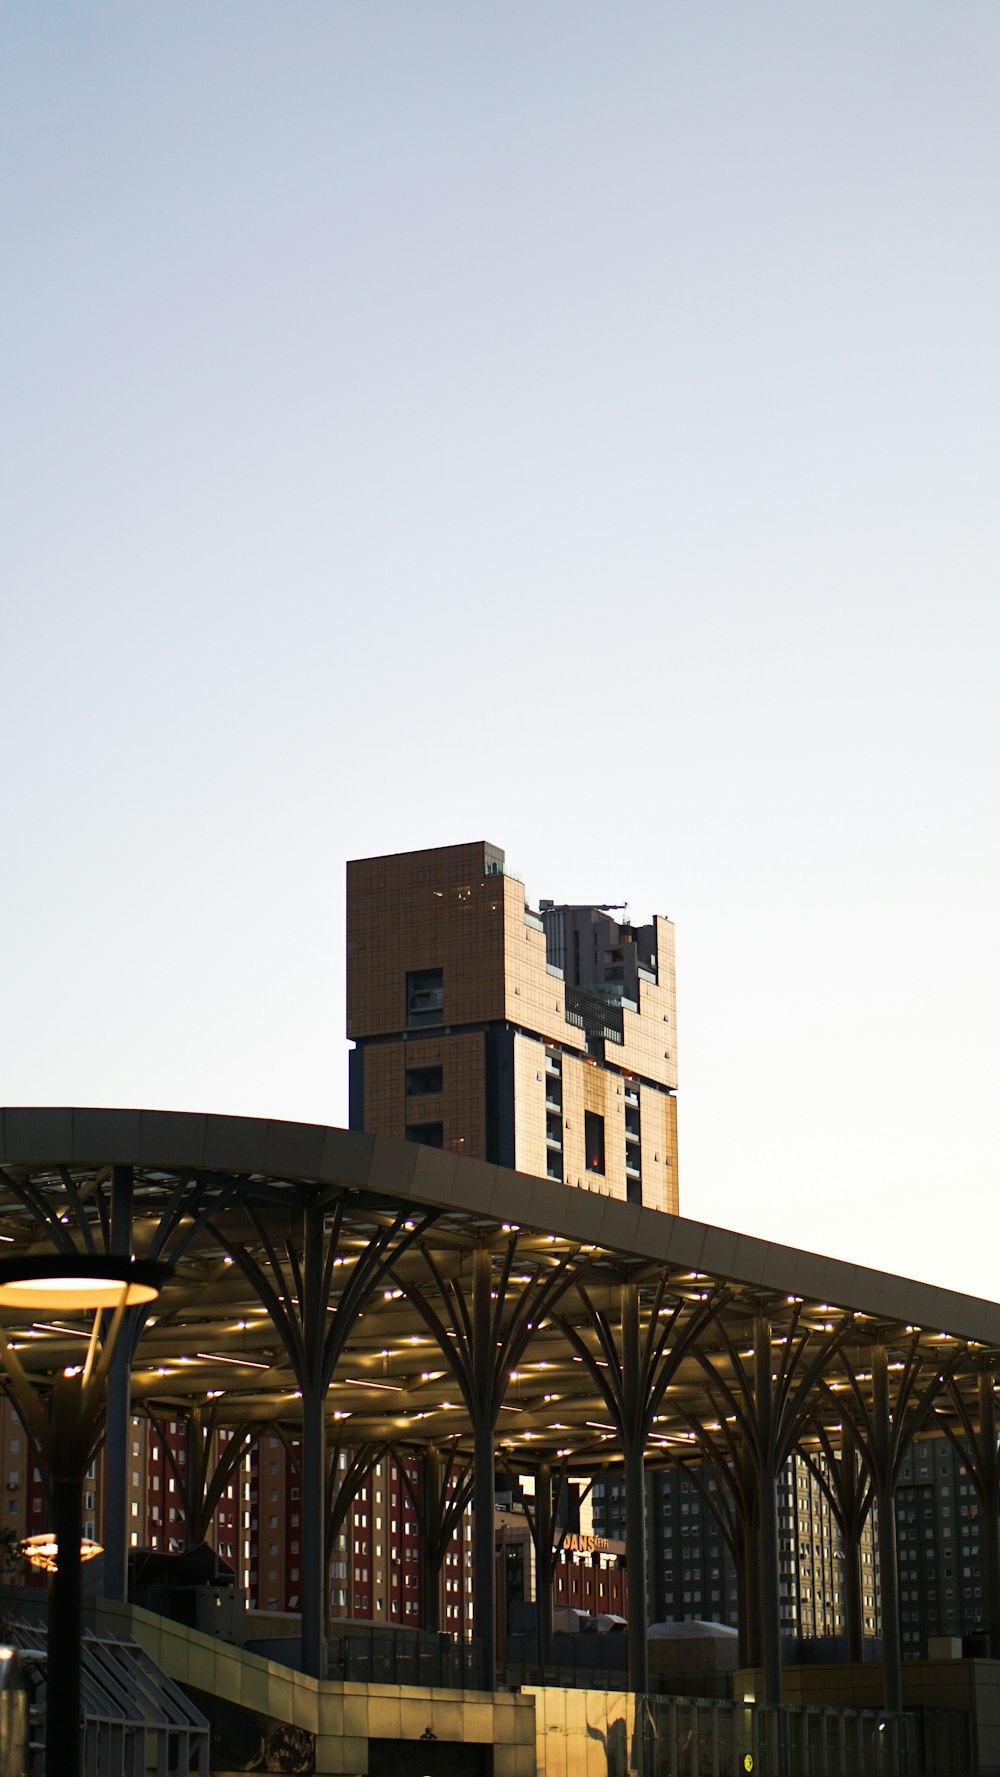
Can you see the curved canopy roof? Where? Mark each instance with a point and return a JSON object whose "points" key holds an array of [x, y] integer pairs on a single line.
{"points": [[226, 1200]]}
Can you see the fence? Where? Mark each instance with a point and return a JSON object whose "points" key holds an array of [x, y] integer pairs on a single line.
{"points": [[386, 1656], [685, 1737]]}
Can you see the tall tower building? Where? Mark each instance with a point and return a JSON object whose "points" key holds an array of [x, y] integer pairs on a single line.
{"points": [[543, 1040]]}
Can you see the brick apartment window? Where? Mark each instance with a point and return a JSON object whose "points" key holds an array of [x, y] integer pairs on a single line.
{"points": [[430, 1135], [594, 1141], [422, 1080], [424, 997]]}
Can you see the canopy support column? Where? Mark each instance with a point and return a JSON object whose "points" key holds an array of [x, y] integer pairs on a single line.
{"points": [[314, 1566], [767, 1493], [119, 1407], [885, 1424], [484, 1476], [430, 1569], [481, 1338], [633, 1372], [634, 1476], [314, 1323], [544, 1562], [885, 1507], [991, 1507], [854, 1499]]}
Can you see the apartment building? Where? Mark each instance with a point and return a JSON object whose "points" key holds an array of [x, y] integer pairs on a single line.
{"points": [[690, 1571], [156, 1489], [539, 1039], [941, 1544]]}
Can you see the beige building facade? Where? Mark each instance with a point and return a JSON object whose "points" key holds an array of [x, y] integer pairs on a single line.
{"points": [[539, 1039]]}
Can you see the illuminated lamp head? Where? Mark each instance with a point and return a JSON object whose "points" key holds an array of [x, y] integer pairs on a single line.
{"points": [[80, 1281], [42, 1550]]}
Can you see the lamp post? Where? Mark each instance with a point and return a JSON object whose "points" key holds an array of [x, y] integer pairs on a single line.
{"points": [[63, 1436]]}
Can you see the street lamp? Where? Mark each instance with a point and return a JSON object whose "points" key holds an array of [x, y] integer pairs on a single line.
{"points": [[63, 1438], [42, 1551]]}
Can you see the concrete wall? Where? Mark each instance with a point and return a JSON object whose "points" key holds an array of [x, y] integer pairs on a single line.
{"points": [[343, 1717], [582, 1733]]}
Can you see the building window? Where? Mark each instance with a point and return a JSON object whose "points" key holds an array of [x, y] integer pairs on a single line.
{"points": [[424, 997], [429, 1135], [594, 1141], [422, 1080]]}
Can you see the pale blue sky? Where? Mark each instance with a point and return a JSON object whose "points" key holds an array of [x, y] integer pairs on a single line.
{"points": [[570, 425]]}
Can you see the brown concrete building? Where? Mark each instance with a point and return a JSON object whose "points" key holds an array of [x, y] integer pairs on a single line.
{"points": [[544, 1041]]}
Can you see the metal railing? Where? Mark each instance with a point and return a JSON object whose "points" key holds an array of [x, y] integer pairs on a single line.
{"points": [[413, 1657]]}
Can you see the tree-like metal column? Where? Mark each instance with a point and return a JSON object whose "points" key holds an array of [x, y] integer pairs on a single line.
{"points": [[341, 1490], [988, 1487], [431, 1490], [313, 1380], [446, 1490], [844, 1482], [769, 1403], [487, 1393], [770, 1457], [314, 1322], [884, 1472], [205, 1472], [885, 1425], [632, 1367], [549, 1487], [481, 1335], [634, 1388], [119, 1404], [733, 1503], [544, 1561]]}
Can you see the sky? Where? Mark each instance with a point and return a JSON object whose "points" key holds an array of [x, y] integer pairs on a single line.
{"points": [[567, 425]]}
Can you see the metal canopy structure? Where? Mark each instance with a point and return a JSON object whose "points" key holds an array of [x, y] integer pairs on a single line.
{"points": [[365, 1290]]}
